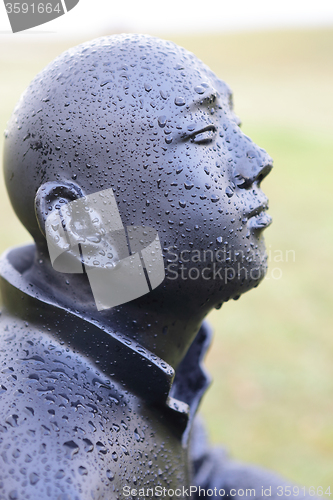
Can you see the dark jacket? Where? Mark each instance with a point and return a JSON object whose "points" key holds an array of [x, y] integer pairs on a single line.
{"points": [[86, 413]]}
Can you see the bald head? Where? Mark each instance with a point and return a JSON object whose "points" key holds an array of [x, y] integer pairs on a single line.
{"points": [[106, 106], [147, 119]]}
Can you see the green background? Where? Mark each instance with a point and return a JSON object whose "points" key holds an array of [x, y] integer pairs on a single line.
{"points": [[272, 356]]}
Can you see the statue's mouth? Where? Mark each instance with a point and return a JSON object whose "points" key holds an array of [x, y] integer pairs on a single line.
{"points": [[260, 221], [259, 218]]}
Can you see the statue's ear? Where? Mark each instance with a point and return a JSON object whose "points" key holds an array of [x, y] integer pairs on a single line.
{"points": [[52, 196], [51, 201]]}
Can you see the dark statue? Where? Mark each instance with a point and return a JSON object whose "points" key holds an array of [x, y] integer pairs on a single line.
{"points": [[100, 402]]}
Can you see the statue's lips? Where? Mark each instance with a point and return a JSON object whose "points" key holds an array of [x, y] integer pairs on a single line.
{"points": [[260, 221], [259, 218]]}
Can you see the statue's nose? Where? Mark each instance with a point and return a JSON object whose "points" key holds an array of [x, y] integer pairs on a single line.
{"points": [[253, 166]]}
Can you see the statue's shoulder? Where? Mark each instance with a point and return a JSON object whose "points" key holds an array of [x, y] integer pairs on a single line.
{"points": [[66, 428], [54, 417]]}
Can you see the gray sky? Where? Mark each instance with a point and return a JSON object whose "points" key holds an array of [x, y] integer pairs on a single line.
{"points": [[95, 17]]}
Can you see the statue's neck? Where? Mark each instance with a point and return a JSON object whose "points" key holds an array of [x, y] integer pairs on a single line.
{"points": [[164, 325]]}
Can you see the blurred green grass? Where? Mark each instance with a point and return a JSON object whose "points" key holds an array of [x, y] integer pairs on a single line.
{"points": [[272, 357]]}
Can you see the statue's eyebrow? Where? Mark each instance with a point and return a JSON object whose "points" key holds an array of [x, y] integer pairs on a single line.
{"points": [[208, 97]]}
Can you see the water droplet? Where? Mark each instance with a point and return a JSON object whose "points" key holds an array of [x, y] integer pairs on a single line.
{"points": [[34, 478], [148, 87], [60, 474], [182, 203], [92, 426], [215, 198], [219, 239], [12, 420], [180, 101], [83, 471], [162, 121], [71, 449], [251, 154], [199, 89], [125, 450], [110, 475], [229, 192], [105, 82], [101, 448]]}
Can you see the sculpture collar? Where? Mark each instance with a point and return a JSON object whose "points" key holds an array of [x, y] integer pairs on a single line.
{"points": [[123, 359]]}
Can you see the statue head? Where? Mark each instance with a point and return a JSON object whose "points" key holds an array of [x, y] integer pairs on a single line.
{"points": [[149, 120]]}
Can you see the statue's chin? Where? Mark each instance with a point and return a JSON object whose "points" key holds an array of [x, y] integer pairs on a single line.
{"points": [[245, 278], [256, 273]]}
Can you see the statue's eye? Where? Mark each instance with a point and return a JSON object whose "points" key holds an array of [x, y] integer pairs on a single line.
{"points": [[204, 136]]}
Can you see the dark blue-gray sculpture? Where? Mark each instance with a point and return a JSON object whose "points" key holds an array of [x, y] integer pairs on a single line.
{"points": [[98, 402]]}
